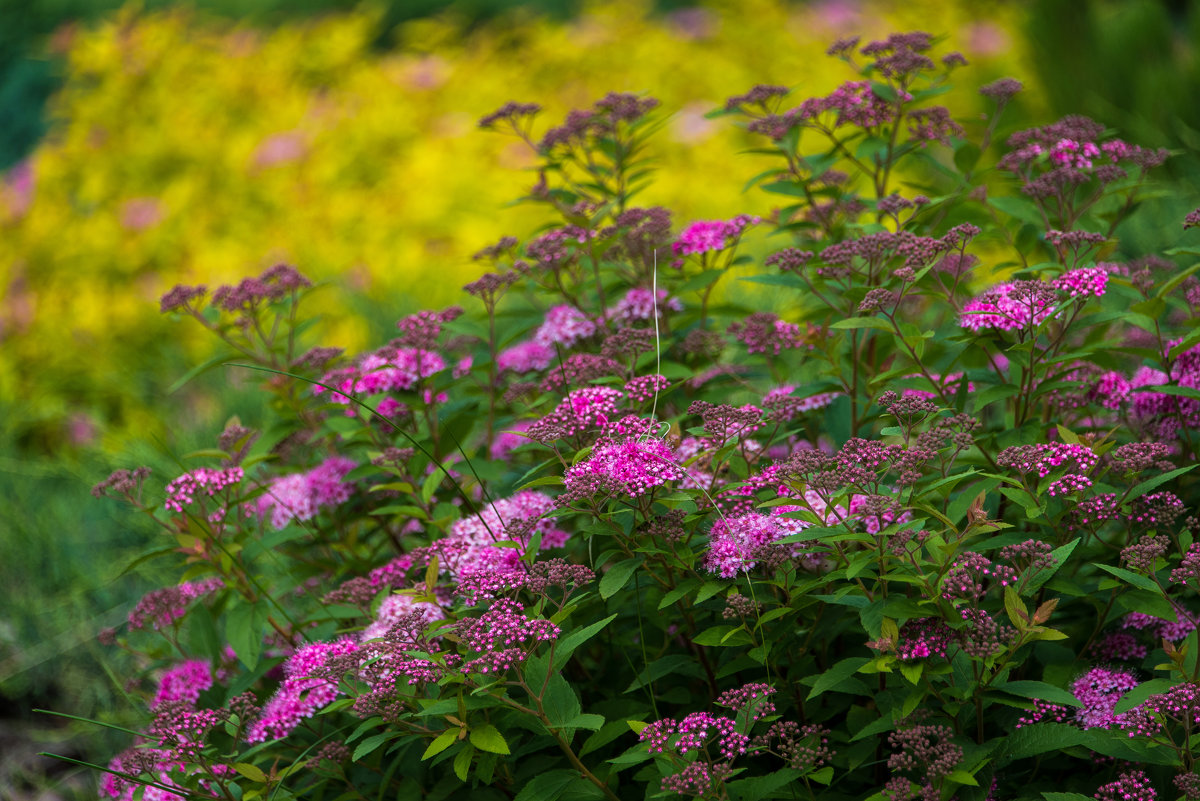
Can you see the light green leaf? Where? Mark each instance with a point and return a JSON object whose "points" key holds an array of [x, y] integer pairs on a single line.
{"points": [[487, 737], [441, 743]]}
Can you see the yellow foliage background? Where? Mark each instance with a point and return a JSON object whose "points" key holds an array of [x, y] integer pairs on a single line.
{"points": [[190, 150]]}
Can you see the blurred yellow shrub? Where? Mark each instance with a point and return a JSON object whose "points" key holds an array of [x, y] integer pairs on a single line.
{"points": [[190, 150]]}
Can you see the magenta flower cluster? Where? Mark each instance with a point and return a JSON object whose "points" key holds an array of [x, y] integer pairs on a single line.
{"points": [[301, 495], [301, 695], [503, 637], [182, 491], [704, 236]]}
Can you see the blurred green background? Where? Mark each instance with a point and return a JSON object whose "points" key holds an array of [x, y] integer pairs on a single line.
{"points": [[156, 143]]}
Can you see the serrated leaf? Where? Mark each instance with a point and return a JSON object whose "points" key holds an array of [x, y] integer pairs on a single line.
{"points": [[251, 772], [1141, 692], [244, 627], [462, 762], [440, 743], [681, 664], [586, 720], [567, 645], [863, 322], [1039, 690], [548, 786], [837, 675], [1129, 577], [369, 744], [962, 777], [617, 577], [487, 737], [1149, 484]]}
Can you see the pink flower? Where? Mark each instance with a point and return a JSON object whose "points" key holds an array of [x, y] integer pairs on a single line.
{"points": [[703, 236], [564, 325], [301, 695], [301, 495], [525, 357], [184, 682]]}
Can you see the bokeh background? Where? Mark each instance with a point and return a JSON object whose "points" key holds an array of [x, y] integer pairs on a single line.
{"points": [[154, 143]]}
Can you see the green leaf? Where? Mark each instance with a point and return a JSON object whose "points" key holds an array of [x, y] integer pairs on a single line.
{"points": [[966, 156], [462, 762], [1129, 577], [487, 737], [1141, 692], [1066, 797], [244, 627], [962, 777], [199, 369], [1039, 690], [251, 772], [1020, 208], [714, 635], [837, 676], [863, 322], [759, 787], [877, 726], [671, 597], [567, 645], [1060, 556], [617, 577], [370, 744], [560, 702], [586, 720], [1041, 738], [547, 786], [709, 589], [679, 664], [1149, 484], [777, 279]]}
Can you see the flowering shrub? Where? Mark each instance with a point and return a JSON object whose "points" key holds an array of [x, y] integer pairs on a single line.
{"points": [[871, 549], [189, 150]]}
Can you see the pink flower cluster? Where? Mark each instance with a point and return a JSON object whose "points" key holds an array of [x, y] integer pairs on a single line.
{"points": [[525, 357], [182, 491], [503, 637], [395, 607], [738, 543], [1043, 458], [471, 544], [301, 495], [1083, 282], [1178, 705], [586, 410], [640, 304], [626, 468], [564, 325], [693, 733], [1069, 484], [184, 682], [642, 388], [1098, 692], [971, 576], [704, 236], [388, 370], [301, 694], [1004, 309], [162, 607], [923, 638], [1132, 786]]}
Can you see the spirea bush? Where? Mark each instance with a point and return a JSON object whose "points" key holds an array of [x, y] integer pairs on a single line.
{"points": [[185, 149], [598, 533]]}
